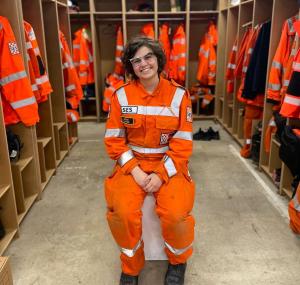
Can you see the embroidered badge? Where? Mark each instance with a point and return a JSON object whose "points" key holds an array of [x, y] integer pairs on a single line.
{"points": [[127, 121], [13, 48], [164, 138], [129, 109], [189, 114]]}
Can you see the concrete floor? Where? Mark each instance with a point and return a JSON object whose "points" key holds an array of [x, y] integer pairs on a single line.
{"points": [[240, 236]]}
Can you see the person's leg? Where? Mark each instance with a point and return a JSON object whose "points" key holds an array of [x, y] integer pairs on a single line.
{"points": [[174, 202], [124, 201]]}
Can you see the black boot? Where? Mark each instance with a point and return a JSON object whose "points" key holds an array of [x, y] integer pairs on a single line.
{"points": [[175, 274], [128, 279]]}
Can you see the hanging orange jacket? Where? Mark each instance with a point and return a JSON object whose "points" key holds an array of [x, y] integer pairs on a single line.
{"points": [[73, 88], [231, 68], [154, 132], [165, 42], [83, 57], [271, 129], [294, 212], [72, 116], [18, 100], [38, 75], [277, 78], [119, 69], [112, 82], [241, 53], [178, 56], [148, 30]]}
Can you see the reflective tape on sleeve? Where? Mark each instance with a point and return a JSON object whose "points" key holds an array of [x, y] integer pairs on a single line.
{"points": [[148, 150], [213, 62], [179, 41], [296, 203], [183, 135], [170, 166], [23, 103], [177, 98], [118, 59], [83, 74], [277, 65], [274, 87], [234, 48], [28, 45], [42, 79], [34, 87], [292, 100], [122, 98], [177, 251], [286, 83], [119, 47], [70, 87], [125, 157], [76, 46], [13, 77], [115, 133]]}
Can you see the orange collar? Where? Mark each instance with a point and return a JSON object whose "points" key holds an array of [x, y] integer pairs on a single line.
{"points": [[144, 93]]}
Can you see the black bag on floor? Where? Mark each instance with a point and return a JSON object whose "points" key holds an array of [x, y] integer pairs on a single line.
{"points": [[14, 145], [289, 151], [280, 124], [255, 146]]}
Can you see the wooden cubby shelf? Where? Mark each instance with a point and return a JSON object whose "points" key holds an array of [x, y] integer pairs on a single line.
{"points": [[4, 189]]}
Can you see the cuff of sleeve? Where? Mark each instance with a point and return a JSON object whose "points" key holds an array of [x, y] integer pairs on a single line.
{"points": [[162, 173], [128, 166]]}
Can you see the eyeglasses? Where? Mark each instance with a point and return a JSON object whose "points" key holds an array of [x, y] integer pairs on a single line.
{"points": [[137, 61]]}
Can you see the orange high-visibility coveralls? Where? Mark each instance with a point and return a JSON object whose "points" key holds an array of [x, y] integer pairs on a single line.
{"points": [[148, 30], [153, 131], [178, 56], [165, 42], [206, 73], [39, 78], [73, 88], [83, 56], [18, 100], [253, 108], [294, 212], [231, 66], [119, 68]]}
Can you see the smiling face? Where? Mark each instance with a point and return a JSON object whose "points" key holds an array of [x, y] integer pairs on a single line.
{"points": [[144, 63]]}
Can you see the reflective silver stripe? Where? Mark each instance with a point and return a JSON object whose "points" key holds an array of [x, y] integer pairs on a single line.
{"points": [[28, 45], [115, 133], [205, 101], [213, 62], [13, 77], [274, 87], [125, 157], [169, 165], [42, 79], [250, 50], [122, 98], [248, 141], [181, 68], [245, 69], [296, 203], [179, 41], [118, 59], [290, 25], [119, 47], [277, 65], [131, 252], [23, 103], [296, 66], [36, 51], [154, 110], [70, 87], [204, 52], [234, 48], [66, 65], [183, 135], [107, 100], [286, 82], [73, 117], [231, 66], [34, 87], [31, 35], [178, 251], [82, 74], [177, 98], [84, 62], [76, 46], [293, 52], [211, 74], [146, 150], [292, 100], [272, 123]]}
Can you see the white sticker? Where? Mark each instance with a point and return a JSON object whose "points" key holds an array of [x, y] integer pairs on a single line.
{"points": [[189, 114], [129, 109], [13, 48]]}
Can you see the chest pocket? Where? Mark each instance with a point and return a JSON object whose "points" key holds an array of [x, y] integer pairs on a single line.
{"points": [[131, 122], [167, 124]]}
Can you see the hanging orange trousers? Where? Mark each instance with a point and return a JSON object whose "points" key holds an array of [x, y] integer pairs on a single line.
{"points": [[251, 113], [174, 202]]}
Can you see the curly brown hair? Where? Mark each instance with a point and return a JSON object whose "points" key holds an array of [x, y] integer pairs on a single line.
{"points": [[131, 48]]}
